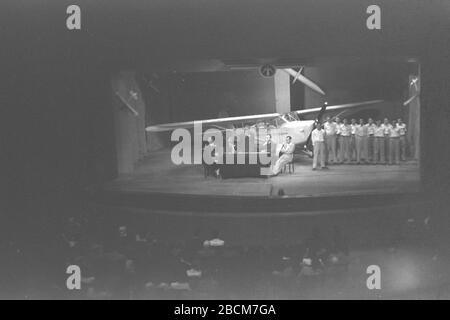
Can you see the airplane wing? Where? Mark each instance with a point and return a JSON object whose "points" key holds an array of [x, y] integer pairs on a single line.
{"points": [[346, 106], [224, 123], [220, 123]]}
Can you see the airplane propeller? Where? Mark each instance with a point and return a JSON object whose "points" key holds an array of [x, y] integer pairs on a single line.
{"points": [[318, 120], [322, 111]]}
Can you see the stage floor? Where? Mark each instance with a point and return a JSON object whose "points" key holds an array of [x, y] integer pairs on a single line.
{"points": [[157, 174]]}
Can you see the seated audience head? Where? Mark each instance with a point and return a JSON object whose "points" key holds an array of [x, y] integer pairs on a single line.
{"points": [[122, 231], [215, 234]]}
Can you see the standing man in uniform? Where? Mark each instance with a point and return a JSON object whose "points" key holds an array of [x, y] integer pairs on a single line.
{"points": [[394, 143], [387, 130], [318, 141], [346, 132], [378, 151], [353, 140], [338, 140], [211, 151], [402, 131], [361, 141], [330, 138], [370, 140]]}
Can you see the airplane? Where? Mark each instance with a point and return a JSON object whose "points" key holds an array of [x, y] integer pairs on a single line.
{"points": [[413, 82], [297, 75], [132, 95], [278, 125]]}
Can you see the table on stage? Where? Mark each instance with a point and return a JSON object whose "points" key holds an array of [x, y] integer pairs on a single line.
{"points": [[246, 169]]}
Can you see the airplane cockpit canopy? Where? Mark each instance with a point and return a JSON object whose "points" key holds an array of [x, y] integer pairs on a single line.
{"points": [[283, 118], [290, 116]]}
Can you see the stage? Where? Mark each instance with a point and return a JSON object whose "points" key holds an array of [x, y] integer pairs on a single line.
{"points": [[157, 174]]}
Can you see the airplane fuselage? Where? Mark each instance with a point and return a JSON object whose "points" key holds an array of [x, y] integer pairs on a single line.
{"points": [[298, 130]]}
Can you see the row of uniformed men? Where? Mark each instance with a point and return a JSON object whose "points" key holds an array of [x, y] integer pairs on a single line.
{"points": [[372, 142]]}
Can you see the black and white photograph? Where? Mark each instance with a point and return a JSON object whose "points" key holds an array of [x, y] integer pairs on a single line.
{"points": [[225, 155]]}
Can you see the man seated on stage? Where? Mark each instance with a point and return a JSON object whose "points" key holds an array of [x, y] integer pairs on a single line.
{"points": [[267, 145], [210, 149], [232, 141], [285, 156]]}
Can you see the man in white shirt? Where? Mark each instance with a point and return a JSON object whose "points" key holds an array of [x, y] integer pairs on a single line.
{"points": [[286, 155], [249, 138], [378, 151], [387, 130], [346, 132], [353, 140], [394, 144], [338, 139], [318, 141], [402, 130], [330, 139], [370, 139], [361, 141], [232, 141]]}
